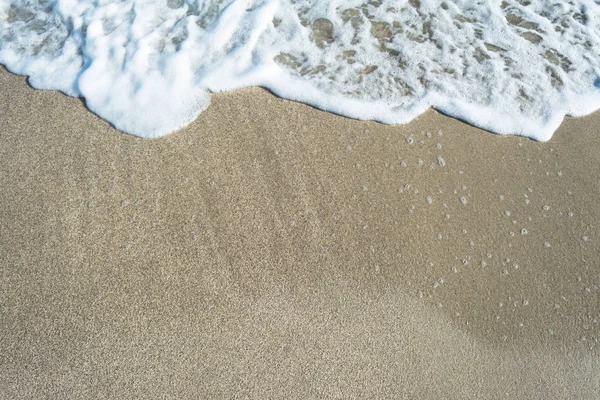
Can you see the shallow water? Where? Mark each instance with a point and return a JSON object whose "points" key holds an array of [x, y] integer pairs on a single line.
{"points": [[511, 67]]}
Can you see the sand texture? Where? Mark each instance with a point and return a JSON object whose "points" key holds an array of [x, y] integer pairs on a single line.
{"points": [[271, 250]]}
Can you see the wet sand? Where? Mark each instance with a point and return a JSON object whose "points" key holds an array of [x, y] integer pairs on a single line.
{"points": [[272, 250]]}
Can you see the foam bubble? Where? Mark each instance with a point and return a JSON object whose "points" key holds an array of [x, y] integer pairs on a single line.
{"points": [[147, 67]]}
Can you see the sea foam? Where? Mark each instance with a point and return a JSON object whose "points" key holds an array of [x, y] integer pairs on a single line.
{"points": [[148, 66]]}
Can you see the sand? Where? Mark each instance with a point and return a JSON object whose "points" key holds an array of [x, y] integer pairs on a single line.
{"points": [[272, 250]]}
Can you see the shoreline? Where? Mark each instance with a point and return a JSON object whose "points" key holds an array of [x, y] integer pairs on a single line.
{"points": [[272, 248]]}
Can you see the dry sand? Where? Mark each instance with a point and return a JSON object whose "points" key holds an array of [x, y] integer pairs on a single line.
{"points": [[271, 250]]}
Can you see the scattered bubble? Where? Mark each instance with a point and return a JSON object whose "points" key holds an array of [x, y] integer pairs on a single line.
{"points": [[550, 332], [420, 294], [403, 164], [429, 199], [525, 302], [454, 269], [420, 162], [546, 244], [507, 213], [524, 231], [428, 134], [447, 216], [570, 214], [546, 208], [463, 200], [585, 238], [438, 146], [465, 261], [439, 236], [410, 140], [556, 306], [501, 197], [441, 161]]}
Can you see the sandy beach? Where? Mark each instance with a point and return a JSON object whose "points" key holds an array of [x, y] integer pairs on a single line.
{"points": [[272, 250]]}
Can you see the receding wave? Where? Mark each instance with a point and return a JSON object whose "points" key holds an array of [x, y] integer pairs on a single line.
{"points": [[148, 66]]}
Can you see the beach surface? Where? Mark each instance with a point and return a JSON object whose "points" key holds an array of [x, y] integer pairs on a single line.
{"points": [[272, 250]]}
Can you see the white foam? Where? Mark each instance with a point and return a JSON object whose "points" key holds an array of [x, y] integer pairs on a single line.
{"points": [[147, 66]]}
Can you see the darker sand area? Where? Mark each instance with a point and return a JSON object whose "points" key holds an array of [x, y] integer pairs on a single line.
{"points": [[271, 250]]}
